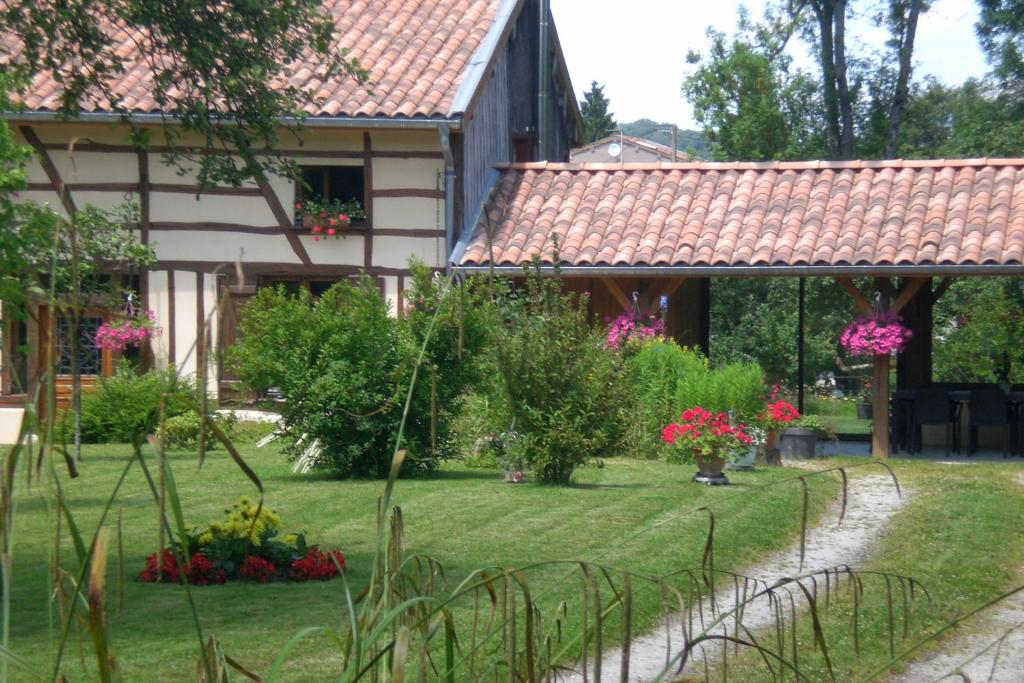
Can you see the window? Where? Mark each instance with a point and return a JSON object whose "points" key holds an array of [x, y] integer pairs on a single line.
{"points": [[333, 184], [90, 359]]}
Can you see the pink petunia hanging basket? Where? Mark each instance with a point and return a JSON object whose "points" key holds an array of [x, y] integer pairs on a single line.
{"points": [[878, 335]]}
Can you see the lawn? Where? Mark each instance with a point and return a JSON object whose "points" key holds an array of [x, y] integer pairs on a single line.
{"points": [[958, 536], [628, 513], [840, 414]]}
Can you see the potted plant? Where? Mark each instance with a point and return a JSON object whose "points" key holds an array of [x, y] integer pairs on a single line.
{"points": [[327, 219], [630, 326], [707, 440], [747, 457], [864, 402], [777, 415], [132, 327], [800, 440]]}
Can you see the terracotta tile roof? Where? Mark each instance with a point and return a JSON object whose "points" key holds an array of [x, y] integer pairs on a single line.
{"points": [[942, 212], [417, 52]]}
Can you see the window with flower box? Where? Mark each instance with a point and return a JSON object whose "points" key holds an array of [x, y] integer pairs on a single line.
{"points": [[326, 196]]}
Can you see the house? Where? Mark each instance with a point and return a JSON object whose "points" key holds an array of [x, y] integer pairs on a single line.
{"points": [[458, 86], [625, 148]]}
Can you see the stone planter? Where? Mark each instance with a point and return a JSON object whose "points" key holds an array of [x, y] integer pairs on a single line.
{"points": [[799, 443], [863, 410], [710, 471], [746, 461]]}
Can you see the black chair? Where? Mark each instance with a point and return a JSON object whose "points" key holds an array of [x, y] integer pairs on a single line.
{"points": [[932, 407], [989, 407]]}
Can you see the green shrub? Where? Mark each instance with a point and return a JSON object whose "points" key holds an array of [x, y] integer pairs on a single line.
{"points": [[344, 364], [564, 390], [668, 379], [125, 407], [182, 431]]}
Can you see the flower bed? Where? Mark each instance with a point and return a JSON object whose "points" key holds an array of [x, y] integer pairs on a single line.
{"points": [[243, 547]]}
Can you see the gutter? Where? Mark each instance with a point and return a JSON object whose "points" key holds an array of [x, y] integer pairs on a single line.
{"points": [[947, 270], [453, 123], [449, 190]]}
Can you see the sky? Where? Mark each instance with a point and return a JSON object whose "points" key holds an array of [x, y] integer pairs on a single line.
{"points": [[637, 49]]}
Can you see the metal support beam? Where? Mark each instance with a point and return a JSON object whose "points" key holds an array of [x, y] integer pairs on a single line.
{"points": [[802, 306]]}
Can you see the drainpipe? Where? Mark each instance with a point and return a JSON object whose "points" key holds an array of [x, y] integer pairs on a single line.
{"points": [[449, 194], [543, 76]]}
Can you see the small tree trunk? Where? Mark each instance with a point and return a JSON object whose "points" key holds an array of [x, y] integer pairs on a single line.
{"points": [[902, 93]]}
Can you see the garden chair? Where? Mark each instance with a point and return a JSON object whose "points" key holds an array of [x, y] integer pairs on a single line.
{"points": [[989, 407], [932, 407]]}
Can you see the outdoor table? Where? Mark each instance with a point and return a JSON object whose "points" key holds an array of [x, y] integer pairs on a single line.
{"points": [[903, 416]]}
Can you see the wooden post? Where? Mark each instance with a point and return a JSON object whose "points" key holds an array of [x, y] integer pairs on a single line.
{"points": [[880, 406]]}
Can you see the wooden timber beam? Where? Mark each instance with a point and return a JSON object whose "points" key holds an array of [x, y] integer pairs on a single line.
{"points": [[863, 305], [51, 170], [617, 292], [282, 220], [908, 293], [942, 288]]}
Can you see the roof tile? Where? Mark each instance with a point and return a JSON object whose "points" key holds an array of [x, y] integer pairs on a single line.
{"points": [[788, 213], [416, 51]]}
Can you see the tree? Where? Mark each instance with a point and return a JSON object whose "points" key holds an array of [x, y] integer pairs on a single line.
{"points": [[596, 118], [1000, 29], [858, 101], [213, 67]]}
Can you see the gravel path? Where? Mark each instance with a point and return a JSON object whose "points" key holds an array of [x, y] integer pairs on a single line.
{"points": [[978, 653], [872, 500]]}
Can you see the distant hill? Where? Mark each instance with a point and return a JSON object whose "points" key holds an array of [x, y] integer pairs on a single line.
{"points": [[687, 139]]}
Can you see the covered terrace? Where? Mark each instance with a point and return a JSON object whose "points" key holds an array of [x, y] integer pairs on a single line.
{"points": [[895, 234]]}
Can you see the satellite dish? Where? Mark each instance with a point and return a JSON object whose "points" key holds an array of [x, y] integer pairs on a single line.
{"points": [[614, 149]]}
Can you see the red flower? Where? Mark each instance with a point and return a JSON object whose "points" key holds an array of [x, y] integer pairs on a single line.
{"points": [[317, 565], [332, 232], [317, 229], [257, 569], [323, 214], [343, 218], [333, 221], [298, 205]]}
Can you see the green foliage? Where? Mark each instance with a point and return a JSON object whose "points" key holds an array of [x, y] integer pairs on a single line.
{"points": [[750, 104], [668, 379], [978, 329], [343, 364], [564, 390], [464, 322], [756, 320], [182, 431], [597, 120], [125, 407], [339, 362]]}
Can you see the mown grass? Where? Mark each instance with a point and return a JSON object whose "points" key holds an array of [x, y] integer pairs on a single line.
{"points": [[624, 514], [959, 535], [840, 414]]}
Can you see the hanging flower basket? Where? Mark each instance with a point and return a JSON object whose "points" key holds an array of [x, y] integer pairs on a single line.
{"points": [[878, 335], [132, 328], [630, 326]]}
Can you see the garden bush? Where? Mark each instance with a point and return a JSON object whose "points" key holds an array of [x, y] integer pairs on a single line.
{"points": [[667, 379], [125, 407], [344, 364], [182, 431], [563, 389]]}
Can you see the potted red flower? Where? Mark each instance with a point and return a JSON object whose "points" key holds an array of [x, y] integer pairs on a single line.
{"points": [[707, 440], [327, 219]]}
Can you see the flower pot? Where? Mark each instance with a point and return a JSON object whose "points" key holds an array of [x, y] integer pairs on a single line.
{"points": [[800, 443], [863, 410], [745, 461], [710, 471]]}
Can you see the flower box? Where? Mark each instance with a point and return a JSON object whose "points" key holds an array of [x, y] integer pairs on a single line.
{"points": [[309, 221]]}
